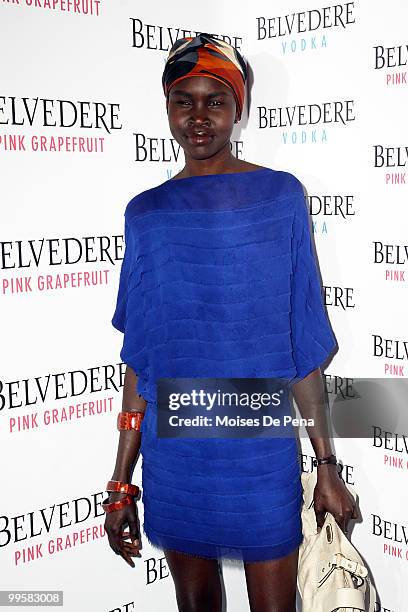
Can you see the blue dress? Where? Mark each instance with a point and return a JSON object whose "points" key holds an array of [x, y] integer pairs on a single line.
{"points": [[219, 280]]}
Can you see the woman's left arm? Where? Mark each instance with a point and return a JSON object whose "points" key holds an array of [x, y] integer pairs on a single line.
{"points": [[331, 494]]}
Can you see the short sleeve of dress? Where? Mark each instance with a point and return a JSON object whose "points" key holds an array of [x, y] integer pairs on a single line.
{"points": [[129, 314], [312, 337], [120, 315]]}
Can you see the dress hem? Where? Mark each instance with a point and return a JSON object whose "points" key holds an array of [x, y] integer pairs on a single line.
{"points": [[202, 550]]}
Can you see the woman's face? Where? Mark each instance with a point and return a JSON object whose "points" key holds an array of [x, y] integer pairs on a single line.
{"points": [[201, 112]]}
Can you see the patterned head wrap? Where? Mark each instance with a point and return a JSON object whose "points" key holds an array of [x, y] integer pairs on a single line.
{"points": [[207, 56]]}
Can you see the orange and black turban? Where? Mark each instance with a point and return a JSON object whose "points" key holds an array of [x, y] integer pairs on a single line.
{"points": [[208, 56]]}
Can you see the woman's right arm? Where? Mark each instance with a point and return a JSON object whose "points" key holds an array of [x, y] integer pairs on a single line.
{"points": [[126, 458]]}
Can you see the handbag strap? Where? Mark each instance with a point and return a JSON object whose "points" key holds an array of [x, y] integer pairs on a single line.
{"points": [[344, 598], [351, 598], [340, 560], [372, 598]]}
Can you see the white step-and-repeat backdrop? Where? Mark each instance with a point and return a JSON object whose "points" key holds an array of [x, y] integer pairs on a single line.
{"points": [[83, 128]]}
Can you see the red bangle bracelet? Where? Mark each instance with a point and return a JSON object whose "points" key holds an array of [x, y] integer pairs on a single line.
{"points": [[122, 487], [116, 505], [129, 420]]}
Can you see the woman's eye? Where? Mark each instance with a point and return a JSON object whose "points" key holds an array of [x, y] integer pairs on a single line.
{"points": [[188, 103]]}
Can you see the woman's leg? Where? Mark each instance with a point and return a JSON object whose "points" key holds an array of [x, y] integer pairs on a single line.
{"points": [[197, 582], [271, 584]]}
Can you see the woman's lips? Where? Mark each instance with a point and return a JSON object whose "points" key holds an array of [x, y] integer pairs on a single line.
{"points": [[199, 139]]}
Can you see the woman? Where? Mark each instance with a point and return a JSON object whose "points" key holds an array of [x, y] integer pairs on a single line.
{"points": [[219, 280]]}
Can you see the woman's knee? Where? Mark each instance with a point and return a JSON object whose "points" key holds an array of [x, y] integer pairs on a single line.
{"points": [[199, 600], [271, 585], [197, 582]]}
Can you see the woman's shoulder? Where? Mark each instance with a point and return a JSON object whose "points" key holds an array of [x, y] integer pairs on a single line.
{"points": [[286, 182], [143, 201], [289, 183], [280, 184]]}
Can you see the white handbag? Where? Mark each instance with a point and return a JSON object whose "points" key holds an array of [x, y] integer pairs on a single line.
{"points": [[331, 573]]}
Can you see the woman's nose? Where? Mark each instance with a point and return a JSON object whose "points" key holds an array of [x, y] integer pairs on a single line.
{"points": [[199, 112], [199, 117]]}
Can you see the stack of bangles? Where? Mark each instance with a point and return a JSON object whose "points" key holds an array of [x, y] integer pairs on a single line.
{"points": [[126, 421]]}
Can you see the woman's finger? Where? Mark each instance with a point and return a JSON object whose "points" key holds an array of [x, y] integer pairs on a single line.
{"points": [[134, 538], [320, 518], [119, 547], [113, 538], [136, 544], [344, 519], [134, 532], [133, 552], [128, 535], [131, 546], [124, 553]]}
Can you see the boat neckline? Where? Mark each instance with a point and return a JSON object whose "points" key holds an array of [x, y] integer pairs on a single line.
{"points": [[186, 178]]}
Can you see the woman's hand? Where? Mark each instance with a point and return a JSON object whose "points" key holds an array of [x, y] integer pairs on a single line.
{"points": [[331, 495], [117, 536]]}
